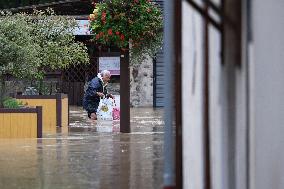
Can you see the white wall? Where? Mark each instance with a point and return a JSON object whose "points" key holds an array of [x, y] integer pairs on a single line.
{"points": [[230, 105], [192, 96], [228, 128], [218, 103], [267, 77], [227, 98]]}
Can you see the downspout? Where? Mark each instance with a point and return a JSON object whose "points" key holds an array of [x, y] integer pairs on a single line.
{"points": [[250, 138], [169, 144]]}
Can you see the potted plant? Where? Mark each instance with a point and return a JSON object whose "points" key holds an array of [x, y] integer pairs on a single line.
{"points": [[137, 24]]}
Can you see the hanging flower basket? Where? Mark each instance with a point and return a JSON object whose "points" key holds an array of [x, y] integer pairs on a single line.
{"points": [[137, 24]]}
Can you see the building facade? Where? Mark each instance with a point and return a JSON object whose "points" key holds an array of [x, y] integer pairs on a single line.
{"points": [[231, 92], [143, 90]]}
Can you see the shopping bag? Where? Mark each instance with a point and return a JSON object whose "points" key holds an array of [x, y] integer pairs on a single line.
{"points": [[105, 109], [115, 112]]}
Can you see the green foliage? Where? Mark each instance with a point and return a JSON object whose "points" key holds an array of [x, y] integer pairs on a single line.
{"points": [[12, 103], [137, 23], [19, 53], [30, 43], [57, 42]]}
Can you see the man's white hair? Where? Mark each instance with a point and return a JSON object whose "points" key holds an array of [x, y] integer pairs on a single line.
{"points": [[105, 72]]}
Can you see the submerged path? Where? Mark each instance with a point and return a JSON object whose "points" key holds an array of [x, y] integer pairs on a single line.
{"points": [[90, 155]]}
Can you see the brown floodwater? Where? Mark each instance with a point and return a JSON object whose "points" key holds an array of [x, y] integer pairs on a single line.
{"points": [[89, 155]]}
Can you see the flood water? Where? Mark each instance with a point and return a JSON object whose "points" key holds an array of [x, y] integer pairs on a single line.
{"points": [[89, 155]]}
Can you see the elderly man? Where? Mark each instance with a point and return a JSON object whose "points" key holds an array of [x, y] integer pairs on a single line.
{"points": [[95, 90]]}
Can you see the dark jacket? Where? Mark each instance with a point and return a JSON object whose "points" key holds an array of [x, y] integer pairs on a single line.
{"points": [[91, 100]]}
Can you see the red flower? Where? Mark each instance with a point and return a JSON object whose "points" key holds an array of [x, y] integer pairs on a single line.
{"points": [[109, 31], [101, 34], [122, 37], [97, 36], [117, 33], [103, 15]]}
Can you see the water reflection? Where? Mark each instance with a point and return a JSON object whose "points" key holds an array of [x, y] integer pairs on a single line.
{"points": [[86, 158]]}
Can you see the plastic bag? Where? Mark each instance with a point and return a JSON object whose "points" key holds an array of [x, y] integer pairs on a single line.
{"points": [[115, 112], [105, 109]]}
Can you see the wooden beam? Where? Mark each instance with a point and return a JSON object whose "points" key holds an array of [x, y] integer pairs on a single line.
{"points": [[213, 6], [124, 92], [178, 92], [206, 126], [205, 14]]}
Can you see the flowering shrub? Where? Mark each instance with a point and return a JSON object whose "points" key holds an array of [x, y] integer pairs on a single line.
{"points": [[124, 23]]}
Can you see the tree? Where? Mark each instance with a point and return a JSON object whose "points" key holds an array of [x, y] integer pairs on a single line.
{"points": [[32, 42]]}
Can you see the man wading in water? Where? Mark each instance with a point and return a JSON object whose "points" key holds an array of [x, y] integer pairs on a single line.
{"points": [[96, 89]]}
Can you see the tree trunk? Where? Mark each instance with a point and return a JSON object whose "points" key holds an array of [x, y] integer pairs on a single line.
{"points": [[124, 92], [2, 90], [40, 90]]}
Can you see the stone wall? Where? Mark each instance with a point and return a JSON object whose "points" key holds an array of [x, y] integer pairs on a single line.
{"points": [[23, 86], [114, 88], [16, 86], [141, 84]]}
